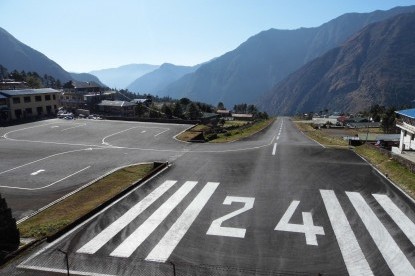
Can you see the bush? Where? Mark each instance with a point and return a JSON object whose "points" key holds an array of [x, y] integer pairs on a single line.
{"points": [[212, 136], [9, 234]]}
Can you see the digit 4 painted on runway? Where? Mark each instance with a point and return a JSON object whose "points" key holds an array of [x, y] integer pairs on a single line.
{"points": [[308, 228]]}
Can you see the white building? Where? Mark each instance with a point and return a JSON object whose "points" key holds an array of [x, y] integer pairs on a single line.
{"points": [[406, 122]]}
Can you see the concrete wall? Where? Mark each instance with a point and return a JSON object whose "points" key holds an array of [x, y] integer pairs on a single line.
{"points": [[30, 106]]}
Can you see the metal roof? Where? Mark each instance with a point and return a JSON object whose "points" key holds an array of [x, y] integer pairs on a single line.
{"points": [[2, 96], [116, 103], [28, 92], [407, 113]]}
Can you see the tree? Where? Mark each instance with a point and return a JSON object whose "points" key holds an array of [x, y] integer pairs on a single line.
{"points": [[388, 121], [185, 101], [3, 72], [251, 109], [221, 106], [167, 111], [193, 112], [140, 110], [33, 81], [177, 110], [9, 234], [154, 112]]}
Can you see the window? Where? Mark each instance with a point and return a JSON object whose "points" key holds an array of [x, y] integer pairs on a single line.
{"points": [[18, 113], [16, 100], [39, 110], [54, 96], [28, 111], [47, 97], [38, 98], [27, 99], [48, 109]]}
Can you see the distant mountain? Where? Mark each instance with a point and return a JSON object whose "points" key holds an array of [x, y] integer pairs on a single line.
{"points": [[85, 77], [253, 68], [122, 76], [377, 66], [155, 81], [14, 55]]}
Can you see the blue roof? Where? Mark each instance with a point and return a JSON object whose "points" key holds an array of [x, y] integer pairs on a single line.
{"points": [[407, 113], [28, 92]]}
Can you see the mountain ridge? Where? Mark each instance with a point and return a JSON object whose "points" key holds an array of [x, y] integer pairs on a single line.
{"points": [[375, 66], [155, 81], [254, 67], [15, 55]]}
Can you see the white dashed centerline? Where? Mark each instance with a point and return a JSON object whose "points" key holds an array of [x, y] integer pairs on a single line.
{"points": [[274, 149]]}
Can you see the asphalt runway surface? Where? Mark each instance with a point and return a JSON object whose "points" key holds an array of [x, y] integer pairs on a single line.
{"points": [[274, 204]]}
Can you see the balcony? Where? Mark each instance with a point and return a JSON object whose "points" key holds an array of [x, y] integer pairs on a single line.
{"points": [[405, 126]]}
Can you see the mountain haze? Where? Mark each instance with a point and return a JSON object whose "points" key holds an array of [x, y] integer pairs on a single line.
{"points": [[122, 76], [157, 80], [376, 66], [15, 55], [253, 68]]}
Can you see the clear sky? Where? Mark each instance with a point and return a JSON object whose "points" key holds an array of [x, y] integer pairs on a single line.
{"points": [[85, 35]]}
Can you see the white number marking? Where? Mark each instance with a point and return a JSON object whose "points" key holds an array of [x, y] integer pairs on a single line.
{"points": [[308, 228], [218, 230]]}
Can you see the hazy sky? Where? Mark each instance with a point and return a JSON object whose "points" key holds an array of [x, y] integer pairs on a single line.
{"points": [[84, 35]]}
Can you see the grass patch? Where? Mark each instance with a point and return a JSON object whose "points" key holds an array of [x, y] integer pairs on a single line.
{"points": [[321, 137], [243, 132], [235, 130], [65, 212], [395, 171]]}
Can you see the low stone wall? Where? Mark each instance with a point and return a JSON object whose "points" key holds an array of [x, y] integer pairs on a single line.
{"points": [[153, 120]]}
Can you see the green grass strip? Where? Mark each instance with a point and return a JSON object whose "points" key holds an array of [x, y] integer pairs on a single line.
{"points": [[398, 173], [243, 132]]}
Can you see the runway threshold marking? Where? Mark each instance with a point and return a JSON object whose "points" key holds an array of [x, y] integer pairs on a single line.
{"points": [[353, 256], [162, 251], [406, 225], [387, 246], [130, 244], [108, 233]]}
